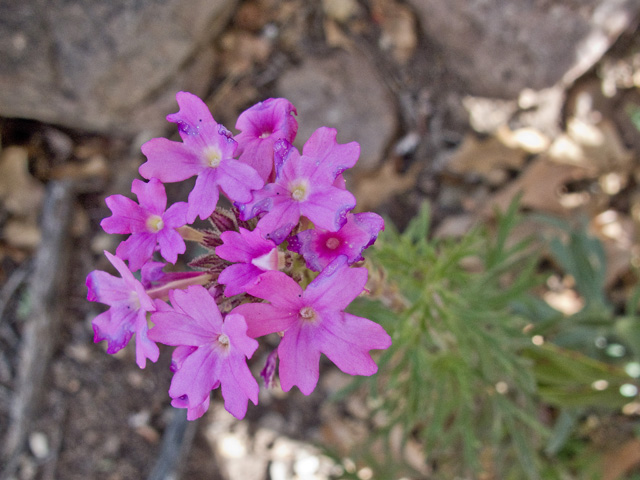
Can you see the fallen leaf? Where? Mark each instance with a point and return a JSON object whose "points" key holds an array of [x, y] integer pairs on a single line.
{"points": [[22, 233], [541, 186], [620, 461], [489, 159], [21, 193], [375, 189]]}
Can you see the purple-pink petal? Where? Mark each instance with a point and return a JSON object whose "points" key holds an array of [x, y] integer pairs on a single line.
{"points": [[328, 208], [238, 277], [197, 376], [336, 286], [127, 216], [151, 195], [346, 340], [242, 246], [105, 288], [197, 303], [263, 318], [173, 328], [129, 304], [137, 249], [169, 161], [171, 244], [194, 118], [261, 126], [279, 288], [204, 196], [299, 359], [332, 158], [114, 326], [280, 221], [176, 215], [238, 180], [145, 347]]}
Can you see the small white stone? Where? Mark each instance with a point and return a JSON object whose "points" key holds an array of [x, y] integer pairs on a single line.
{"points": [[39, 445]]}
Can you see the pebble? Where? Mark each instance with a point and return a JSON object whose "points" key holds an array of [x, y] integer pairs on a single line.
{"points": [[39, 445]]}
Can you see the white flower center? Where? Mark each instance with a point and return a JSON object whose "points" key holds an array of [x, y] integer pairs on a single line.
{"points": [[134, 301], [155, 223], [213, 156], [307, 313], [223, 340], [299, 191]]}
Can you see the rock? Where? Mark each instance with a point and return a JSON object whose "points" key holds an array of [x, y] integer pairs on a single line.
{"points": [[499, 48], [342, 91], [110, 67]]}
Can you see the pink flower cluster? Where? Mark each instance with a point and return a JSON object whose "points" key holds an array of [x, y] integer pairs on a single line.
{"points": [[280, 259]]}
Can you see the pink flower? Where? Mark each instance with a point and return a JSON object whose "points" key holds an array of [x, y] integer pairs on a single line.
{"points": [[211, 352], [129, 304], [304, 186], [320, 247], [261, 126], [206, 150], [314, 322], [254, 254], [148, 223]]}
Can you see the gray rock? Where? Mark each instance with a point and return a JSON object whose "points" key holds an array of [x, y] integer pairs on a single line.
{"points": [[500, 47], [105, 66], [342, 91]]}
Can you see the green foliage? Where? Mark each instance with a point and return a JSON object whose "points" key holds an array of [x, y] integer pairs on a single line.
{"points": [[463, 378], [455, 379]]}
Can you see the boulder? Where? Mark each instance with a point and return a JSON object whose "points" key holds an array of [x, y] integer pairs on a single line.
{"points": [[342, 90], [498, 48], [110, 67]]}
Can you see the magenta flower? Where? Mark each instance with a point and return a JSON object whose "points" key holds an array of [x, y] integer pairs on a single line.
{"points": [[313, 322], [206, 150], [261, 126], [148, 223], [129, 304], [211, 353], [304, 186], [320, 247], [254, 254]]}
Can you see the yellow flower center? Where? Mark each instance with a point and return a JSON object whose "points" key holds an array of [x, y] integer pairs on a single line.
{"points": [[155, 223]]}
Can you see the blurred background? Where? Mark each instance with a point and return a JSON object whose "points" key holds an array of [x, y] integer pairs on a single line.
{"points": [[499, 138]]}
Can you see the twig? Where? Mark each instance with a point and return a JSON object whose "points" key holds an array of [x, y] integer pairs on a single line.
{"points": [[46, 288], [176, 442]]}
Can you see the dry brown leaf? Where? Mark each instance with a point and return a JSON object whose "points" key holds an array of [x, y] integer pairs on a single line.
{"points": [[398, 24], [96, 166], [340, 10], [597, 146], [541, 186], [21, 193], [620, 461], [22, 233], [375, 189], [242, 51], [488, 159], [528, 139], [334, 35], [617, 232]]}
